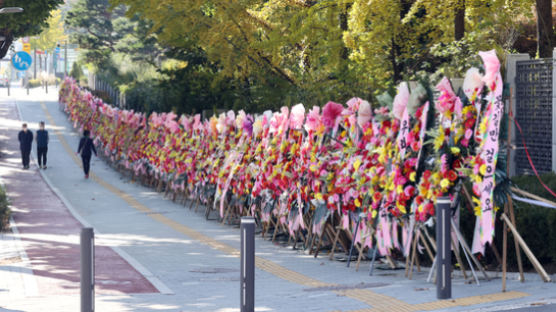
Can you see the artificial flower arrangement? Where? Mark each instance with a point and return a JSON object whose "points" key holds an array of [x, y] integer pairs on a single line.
{"points": [[376, 169]]}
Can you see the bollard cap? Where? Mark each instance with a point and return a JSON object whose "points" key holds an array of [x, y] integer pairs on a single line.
{"points": [[247, 220], [443, 200]]}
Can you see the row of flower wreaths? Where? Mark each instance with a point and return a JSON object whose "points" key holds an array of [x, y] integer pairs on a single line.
{"points": [[389, 164]]}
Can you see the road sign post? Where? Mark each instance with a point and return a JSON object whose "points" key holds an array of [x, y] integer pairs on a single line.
{"points": [[35, 64]]}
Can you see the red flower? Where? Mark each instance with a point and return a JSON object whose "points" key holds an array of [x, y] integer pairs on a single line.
{"points": [[429, 208], [419, 200], [469, 123], [451, 175]]}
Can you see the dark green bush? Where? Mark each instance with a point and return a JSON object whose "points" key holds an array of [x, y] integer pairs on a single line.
{"points": [[537, 225], [5, 211], [103, 95]]}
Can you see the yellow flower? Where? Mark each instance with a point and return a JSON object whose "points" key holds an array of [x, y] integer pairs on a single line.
{"points": [[318, 196], [362, 181], [483, 126], [455, 150], [357, 203], [374, 213], [412, 176], [439, 140], [445, 183], [483, 169], [401, 208], [356, 164]]}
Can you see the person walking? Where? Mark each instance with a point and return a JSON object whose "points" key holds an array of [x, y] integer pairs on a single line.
{"points": [[42, 145], [86, 148], [25, 138]]}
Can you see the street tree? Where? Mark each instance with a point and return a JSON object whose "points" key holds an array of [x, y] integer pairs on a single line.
{"points": [[52, 34], [28, 23]]}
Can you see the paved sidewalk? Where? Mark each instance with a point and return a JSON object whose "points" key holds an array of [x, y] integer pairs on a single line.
{"points": [[49, 235], [197, 259]]}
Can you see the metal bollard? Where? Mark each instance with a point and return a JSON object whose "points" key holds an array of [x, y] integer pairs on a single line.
{"points": [[87, 270], [247, 278], [443, 247]]}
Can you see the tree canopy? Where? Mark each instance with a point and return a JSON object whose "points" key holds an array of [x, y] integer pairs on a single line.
{"points": [[258, 54], [51, 34], [28, 23]]}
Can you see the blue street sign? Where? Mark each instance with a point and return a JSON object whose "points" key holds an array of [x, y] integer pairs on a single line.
{"points": [[21, 60]]}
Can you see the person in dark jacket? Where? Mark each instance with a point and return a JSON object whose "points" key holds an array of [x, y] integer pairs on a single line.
{"points": [[42, 145], [25, 141], [86, 147]]}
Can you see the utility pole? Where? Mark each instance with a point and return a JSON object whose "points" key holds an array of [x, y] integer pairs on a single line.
{"points": [[66, 60], [35, 65]]}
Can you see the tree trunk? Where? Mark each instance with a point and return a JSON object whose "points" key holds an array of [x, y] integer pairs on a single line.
{"points": [[459, 20], [396, 67], [544, 28], [5, 45]]}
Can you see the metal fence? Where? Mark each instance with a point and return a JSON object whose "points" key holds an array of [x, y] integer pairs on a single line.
{"points": [[116, 98], [534, 114]]}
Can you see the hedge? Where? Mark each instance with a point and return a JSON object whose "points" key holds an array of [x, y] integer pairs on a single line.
{"points": [[5, 211]]}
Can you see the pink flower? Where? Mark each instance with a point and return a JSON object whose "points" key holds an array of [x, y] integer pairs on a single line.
{"points": [[400, 101], [248, 125], [230, 118], [381, 111], [364, 113], [330, 112], [297, 116], [473, 83], [468, 133], [444, 163], [447, 98], [313, 119], [492, 66], [197, 122], [353, 104], [185, 122]]}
